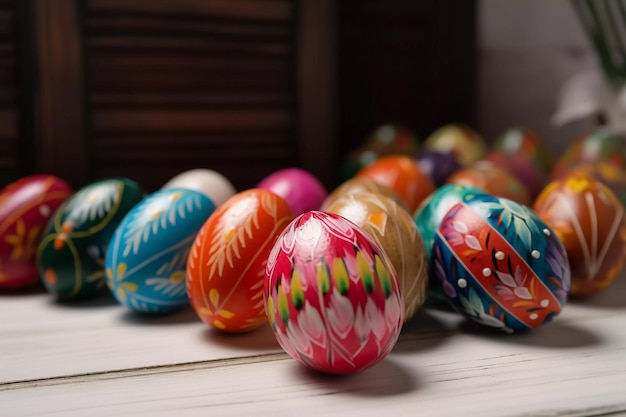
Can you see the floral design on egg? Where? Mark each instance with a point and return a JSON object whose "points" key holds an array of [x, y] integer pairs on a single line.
{"points": [[147, 259], [500, 265], [332, 298]]}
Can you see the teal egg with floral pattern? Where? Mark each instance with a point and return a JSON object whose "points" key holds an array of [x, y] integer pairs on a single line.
{"points": [[500, 265], [70, 257], [428, 218], [147, 258]]}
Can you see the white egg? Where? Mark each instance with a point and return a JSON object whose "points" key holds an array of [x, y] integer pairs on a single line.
{"points": [[210, 183]]}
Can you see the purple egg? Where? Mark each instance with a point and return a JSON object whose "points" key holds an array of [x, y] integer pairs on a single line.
{"points": [[437, 165], [299, 188]]}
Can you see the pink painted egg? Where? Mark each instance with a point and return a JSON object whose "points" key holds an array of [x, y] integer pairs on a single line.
{"points": [[331, 295], [299, 188], [26, 206]]}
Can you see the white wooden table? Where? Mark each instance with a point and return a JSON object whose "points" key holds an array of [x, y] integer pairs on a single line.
{"points": [[95, 358]]}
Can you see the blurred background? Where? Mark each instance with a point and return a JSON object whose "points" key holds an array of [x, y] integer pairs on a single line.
{"points": [[150, 88]]}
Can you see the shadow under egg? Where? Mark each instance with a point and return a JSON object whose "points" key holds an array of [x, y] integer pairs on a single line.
{"points": [[184, 315], [259, 339], [385, 379], [555, 335]]}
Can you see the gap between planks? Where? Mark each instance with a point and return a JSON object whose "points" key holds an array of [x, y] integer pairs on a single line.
{"points": [[143, 371]]}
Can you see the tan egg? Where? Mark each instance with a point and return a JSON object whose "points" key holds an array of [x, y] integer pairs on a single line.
{"points": [[360, 185], [393, 228]]}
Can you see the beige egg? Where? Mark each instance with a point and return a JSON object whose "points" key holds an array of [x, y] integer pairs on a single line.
{"points": [[360, 185], [393, 228], [210, 183]]}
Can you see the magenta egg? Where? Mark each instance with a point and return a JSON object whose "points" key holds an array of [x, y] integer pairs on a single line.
{"points": [[332, 295], [299, 188]]}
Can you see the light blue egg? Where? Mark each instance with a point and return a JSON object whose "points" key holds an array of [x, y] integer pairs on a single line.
{"points": [[147, 258]]}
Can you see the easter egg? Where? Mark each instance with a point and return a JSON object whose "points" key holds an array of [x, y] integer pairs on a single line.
{"points": [[500, 265], [226, 265], [609, 174], [332, 296], [360, 185], [522, 167], [437, 165], [26, 205], [601, 144], [147, 258], [429, 216], [210, 183], [71, 254], [493, 180], [394, 231], [299, 188], [459, 139], [588, 218], [402, 175], [392, 139], [356, 160], [524, 141]]}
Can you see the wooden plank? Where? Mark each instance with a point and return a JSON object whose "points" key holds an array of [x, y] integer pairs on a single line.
{"points": [[240, 9], [469, 375], [46, 340], [128, 120]]}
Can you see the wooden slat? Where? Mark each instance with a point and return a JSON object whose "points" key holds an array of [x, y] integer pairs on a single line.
{"points": [[317, 96], [216, 139], [157, 120], [191, 99], [241, 9], [101, 25], [8, 123], [59, 98], [183, 44]]}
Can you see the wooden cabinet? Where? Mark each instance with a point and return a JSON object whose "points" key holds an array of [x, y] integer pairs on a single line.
{"points": [[149, 88]]}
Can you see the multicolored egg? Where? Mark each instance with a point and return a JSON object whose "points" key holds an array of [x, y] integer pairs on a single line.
{"points": [[147, 258], [402, 175], [522, 167], [299, 188], [26, 206], [360, 185], [429, 216], [394, 231], [392, 139], [601, 144], [492, 179], [71, 254], [226, 265], [524, 141], [437, 165], [589, 219], [332, 295], [609, 174], [211, 183], [459, 139], [500, 265]]}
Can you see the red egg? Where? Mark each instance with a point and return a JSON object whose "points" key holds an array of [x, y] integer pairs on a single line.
{"points": [[226, 265], [402, 175], [26, 206]]}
